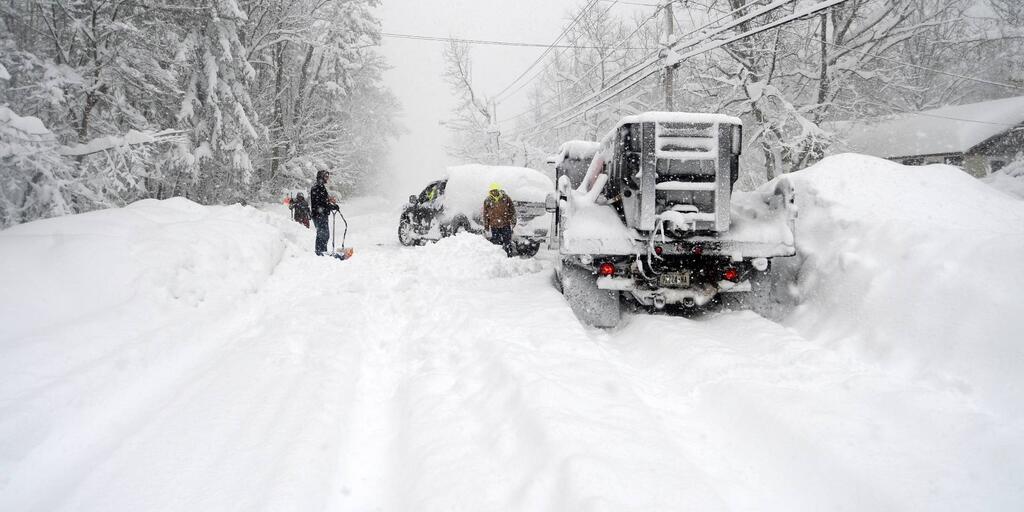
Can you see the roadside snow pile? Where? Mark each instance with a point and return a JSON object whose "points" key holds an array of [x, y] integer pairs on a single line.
{"points": [[918, 268], [762, 216], [1009, 179], [468, 185], [147, 256]]}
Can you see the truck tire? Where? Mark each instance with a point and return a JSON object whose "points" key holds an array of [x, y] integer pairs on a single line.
{"points": [[592, 305]]}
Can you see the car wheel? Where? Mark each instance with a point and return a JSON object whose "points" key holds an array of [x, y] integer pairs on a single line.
{"points": [[528, 249], [459, 225], [405, 236]]}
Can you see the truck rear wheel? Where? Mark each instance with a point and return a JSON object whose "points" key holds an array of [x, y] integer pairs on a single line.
{"points": [[592, 305]]}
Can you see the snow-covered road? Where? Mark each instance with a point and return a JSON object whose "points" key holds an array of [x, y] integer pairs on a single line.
{"points": [[448, 377]]}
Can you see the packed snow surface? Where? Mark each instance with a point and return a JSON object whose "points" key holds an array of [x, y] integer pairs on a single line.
{"points": [[170, 356]]}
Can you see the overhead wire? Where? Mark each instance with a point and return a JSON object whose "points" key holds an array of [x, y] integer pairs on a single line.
{"points": [[882, 57], [908, 64], [716, 44], [593, 68], [417, 37], [652, 54], [653, 58], [550, 61], [543, 54]]}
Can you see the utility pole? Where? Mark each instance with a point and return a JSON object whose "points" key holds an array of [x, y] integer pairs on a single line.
{"points": [[670, 72], [496, 130]]}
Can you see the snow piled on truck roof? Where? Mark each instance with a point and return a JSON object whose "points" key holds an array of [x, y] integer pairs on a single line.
{"points": [[680, 117], [468, 184], [578, 150]]}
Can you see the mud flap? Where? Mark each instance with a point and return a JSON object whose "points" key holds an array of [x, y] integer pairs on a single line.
{"points": [[592, 305]]}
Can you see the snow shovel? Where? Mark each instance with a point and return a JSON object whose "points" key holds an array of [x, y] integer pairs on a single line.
{"points": [[343, 253]]}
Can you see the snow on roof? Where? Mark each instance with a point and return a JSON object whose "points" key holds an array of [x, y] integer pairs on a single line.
{"points": [[954, 129]]}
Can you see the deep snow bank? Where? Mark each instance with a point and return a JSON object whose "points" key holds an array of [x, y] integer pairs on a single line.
{"points": [[149, 255], [920, 268]]}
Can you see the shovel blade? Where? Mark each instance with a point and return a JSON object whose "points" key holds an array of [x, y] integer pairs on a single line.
{"points": [[343, 253]]}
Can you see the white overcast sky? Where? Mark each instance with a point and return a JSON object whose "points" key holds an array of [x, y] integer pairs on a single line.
{"points": [[417, 66]]}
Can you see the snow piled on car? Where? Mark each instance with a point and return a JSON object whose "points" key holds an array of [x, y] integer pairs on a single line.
{"points": [[468, 185]]}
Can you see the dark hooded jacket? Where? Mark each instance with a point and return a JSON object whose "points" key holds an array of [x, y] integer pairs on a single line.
{"points": [[319, 200]]}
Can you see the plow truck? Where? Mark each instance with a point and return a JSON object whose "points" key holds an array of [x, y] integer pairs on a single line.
{"points": [[654, 218]]}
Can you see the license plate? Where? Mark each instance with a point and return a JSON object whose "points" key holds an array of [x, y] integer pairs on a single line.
{"points": [[674, 279]]}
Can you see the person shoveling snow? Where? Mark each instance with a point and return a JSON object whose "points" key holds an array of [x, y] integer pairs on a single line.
{"points": [[322, 206]]}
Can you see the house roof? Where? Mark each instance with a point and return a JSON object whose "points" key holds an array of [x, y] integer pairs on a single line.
{"points": [[954, 129]]}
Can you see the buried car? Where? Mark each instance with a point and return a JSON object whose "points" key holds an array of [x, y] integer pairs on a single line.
{"points": [[454, 204]]}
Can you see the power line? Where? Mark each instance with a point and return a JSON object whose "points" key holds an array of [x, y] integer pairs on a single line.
{"points": [[689, 43], [937, 116], [648, 56], [633, 3], [417, 37], [594, 67], [550, 60], [717, 44], [915, 66], [890, 59], [546, 51]]}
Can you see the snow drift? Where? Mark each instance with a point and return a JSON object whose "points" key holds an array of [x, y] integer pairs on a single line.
{"points": [[1009, 179], [151, 253], [917, 268], [169, 356]]}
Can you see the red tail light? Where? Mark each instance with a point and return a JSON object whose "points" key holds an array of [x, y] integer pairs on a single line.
{"points": [[606, 269], [658, 250], [697, 250], [731, 274]]}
